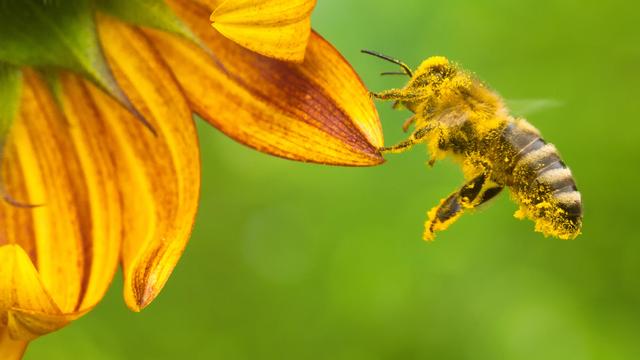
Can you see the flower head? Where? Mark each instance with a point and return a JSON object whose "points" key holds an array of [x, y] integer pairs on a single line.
{"points": [[100, 158]]}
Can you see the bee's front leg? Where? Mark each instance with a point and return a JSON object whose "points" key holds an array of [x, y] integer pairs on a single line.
{"points": [[471, 195], [416, 137], [394, 94]]}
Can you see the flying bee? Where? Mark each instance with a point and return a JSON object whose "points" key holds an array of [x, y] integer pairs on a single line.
{"points": [[457, 115]]}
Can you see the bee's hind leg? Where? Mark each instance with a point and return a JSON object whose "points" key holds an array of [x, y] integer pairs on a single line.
{"points": [[472, 194]]}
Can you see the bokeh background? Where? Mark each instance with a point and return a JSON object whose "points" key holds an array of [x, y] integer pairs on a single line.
{"points": [[300, 261]]}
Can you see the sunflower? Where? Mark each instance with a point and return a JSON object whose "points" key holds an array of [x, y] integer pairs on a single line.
{"points": [[99, 150]]}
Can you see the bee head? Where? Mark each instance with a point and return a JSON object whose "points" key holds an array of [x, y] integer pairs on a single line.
{"points": [[434, 69]]}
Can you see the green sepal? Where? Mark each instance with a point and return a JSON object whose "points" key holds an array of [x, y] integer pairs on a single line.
{"points": [[52, 78], [149, 13], [56, 34], [10, 93]]}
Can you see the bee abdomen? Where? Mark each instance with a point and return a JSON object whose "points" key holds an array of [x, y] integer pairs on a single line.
{"points": [[559, 181], [542, 182], [541, 166]]}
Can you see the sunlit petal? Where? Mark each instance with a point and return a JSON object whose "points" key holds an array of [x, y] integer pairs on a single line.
{"points": [[159, 173], [274, 28], [317, 111]]}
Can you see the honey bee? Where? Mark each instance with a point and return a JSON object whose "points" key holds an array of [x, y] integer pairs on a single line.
{"points": [[457, 115]]}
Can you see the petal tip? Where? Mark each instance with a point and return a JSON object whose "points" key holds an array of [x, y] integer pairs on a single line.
{"points": [[318, 111], [376, 159], [141, 299]]}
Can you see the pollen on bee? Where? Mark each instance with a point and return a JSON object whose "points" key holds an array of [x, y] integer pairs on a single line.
{"points": [[432, 62], [458, 116]]}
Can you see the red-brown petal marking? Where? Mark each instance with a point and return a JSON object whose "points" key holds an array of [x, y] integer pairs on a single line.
{"points": [[159, 175], [275, 28], [317, 111]]}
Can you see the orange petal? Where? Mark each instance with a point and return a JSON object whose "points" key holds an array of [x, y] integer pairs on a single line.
{"points": [[317, 111], [159, 175], [276, 28], [69, 245]]}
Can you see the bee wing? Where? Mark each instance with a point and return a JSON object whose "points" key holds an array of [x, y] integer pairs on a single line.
{"points": [[523, 107]]}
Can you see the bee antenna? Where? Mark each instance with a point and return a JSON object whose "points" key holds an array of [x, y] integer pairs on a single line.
{"points": [[405, 68]]}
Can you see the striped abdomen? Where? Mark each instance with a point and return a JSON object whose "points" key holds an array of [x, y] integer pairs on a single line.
{"points": [[541, 182]]}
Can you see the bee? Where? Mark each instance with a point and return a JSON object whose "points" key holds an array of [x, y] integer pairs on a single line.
{"points": [[456, 115]]}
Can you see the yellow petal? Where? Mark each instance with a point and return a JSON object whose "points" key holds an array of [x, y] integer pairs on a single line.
{"points": [[317, 111], [21, 294], [11, 349], [276, 28], [159, 174], [70, 244]]}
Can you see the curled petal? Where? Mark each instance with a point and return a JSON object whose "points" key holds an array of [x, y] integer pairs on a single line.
{"points": [[276, 28], [159, 173], [317, 111], [24, 297]]}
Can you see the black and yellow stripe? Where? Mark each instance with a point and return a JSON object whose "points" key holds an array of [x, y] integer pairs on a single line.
{"points": [[541, 180]]}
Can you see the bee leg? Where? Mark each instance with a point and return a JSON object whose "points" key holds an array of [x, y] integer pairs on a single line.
{"points": [[399, 147], [408, 122], [472, 194], [415, 138], [489, 193], [394, 94]]}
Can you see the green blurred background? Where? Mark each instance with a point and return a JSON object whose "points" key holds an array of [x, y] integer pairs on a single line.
{"points": [[299, 261]]}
